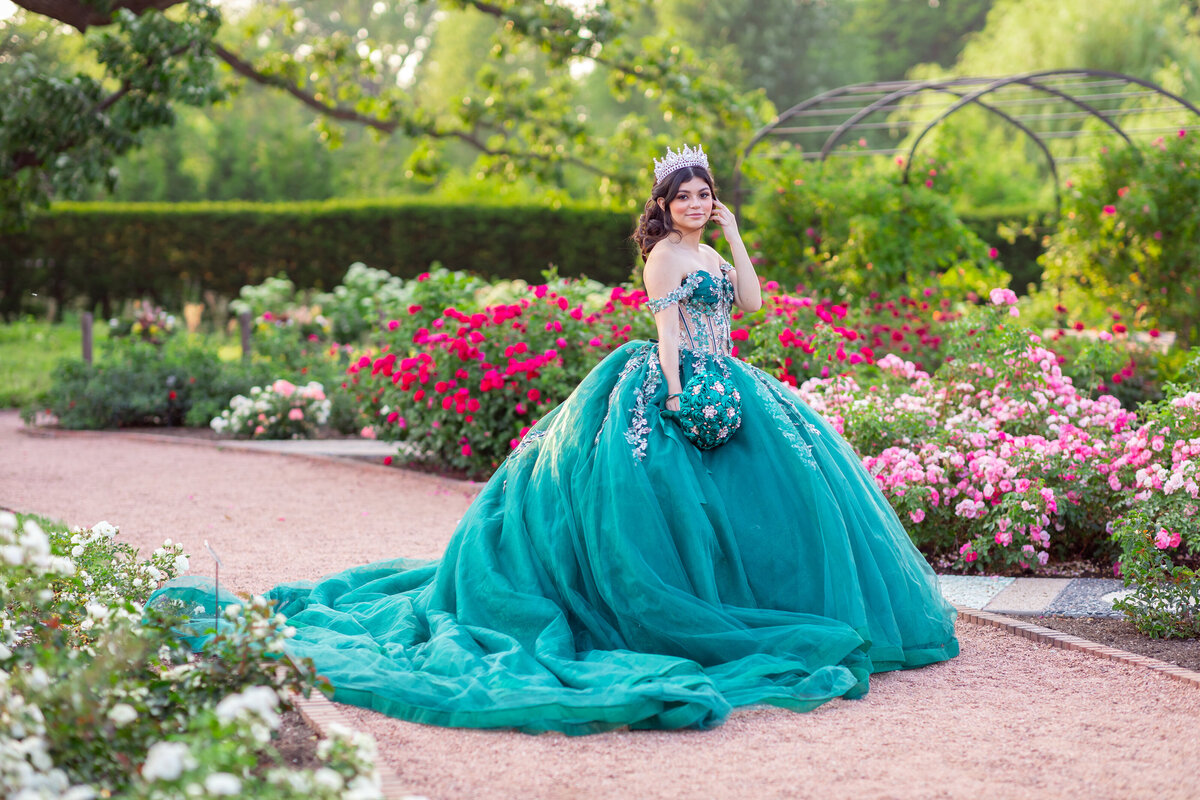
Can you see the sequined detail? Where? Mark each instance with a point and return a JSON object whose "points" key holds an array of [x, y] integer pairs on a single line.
{"points": [[710, 407], [775, 405], [705, 303], [639, 427], [682, 292], [635, 362], [530, 437]]}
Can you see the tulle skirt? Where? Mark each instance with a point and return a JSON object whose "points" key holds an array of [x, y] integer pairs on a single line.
{"points": [[612, 574]]}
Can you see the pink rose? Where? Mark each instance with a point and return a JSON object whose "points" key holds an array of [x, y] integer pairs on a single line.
{"points": [[296, 414], [917, 515]]}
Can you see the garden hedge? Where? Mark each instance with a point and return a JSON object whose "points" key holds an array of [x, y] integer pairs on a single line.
{"points": [[106, 252]]}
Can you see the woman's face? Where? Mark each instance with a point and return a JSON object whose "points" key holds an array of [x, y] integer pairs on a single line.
{"points": [[692, 205]]}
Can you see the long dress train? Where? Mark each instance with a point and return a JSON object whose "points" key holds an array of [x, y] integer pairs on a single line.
{"points": [[610, 573]]}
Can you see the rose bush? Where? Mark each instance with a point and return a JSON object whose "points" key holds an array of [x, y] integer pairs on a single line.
{"points": [[1129, 232], [98, 696], [463, 385], [1160, 532], [993, 453], [280, 410]]}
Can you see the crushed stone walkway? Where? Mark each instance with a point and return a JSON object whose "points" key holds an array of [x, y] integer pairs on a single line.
{"points": [[1008, 718]]}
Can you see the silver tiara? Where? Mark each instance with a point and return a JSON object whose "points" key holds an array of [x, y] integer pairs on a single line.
{"points": [[686, 157]]}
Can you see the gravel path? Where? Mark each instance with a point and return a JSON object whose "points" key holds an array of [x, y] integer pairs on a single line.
{"points": [[1007, 719]]}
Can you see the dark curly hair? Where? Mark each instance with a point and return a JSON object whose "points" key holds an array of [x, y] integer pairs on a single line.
{"points": [[656, 224]]}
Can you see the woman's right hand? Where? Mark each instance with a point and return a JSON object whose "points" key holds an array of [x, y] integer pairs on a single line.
{"points": [[672, 404]]}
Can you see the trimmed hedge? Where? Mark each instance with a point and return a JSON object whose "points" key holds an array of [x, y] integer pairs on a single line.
{"points": [[104, 253], [108, 252]]}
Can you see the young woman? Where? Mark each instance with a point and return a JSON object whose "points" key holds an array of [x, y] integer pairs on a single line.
{"points": [[679, 537]]}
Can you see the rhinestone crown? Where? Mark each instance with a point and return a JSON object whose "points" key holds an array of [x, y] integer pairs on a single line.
{"points": [[686, 157]]}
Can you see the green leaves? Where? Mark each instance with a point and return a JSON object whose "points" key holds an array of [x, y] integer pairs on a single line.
{"points": [[1130, 229], [521, 114], [60, 134]]}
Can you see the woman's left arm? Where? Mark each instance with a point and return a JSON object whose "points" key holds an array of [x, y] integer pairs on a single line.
{"points": [[747, 294]]}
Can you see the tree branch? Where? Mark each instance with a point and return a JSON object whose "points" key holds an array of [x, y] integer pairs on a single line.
{"points": [[82, 15], [247, 70]]}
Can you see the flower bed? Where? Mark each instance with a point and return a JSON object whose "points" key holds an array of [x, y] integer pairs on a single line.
{"points": [[98, 697]]}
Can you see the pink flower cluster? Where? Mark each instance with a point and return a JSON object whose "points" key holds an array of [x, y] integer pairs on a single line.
{"points": [[1001, 457]]}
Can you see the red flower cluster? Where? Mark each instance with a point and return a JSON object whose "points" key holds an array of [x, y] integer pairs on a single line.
{"points": [[466, 379]]}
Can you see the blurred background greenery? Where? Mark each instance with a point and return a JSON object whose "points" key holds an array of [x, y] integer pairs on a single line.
{"points": [[261, 144]]}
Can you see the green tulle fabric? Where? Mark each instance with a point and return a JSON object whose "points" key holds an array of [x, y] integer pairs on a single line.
{"points": [[613, 574]]}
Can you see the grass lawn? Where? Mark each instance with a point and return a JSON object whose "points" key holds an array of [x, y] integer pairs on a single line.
{"points": [[29, 351], [31, 348]]}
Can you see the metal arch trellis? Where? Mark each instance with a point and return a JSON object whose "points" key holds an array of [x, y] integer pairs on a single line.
{"points": [[1043, 86]]}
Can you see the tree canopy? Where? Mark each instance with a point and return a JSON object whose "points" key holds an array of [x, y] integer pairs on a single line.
{"points": [[357, 64]]}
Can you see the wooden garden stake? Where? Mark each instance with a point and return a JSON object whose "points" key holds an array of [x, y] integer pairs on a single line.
{"points": [[86, 323], [244, 325]]}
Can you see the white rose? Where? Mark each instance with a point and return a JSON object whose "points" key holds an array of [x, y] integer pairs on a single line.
{"points": [[39, 681], [166, 761], [181, 564], [326, 778], [223, 784], [77, 551], [105, 529], [122, 714], [8, 521], [35, 540]]}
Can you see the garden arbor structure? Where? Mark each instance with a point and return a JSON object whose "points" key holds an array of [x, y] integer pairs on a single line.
{"points": [[1052, 108]]}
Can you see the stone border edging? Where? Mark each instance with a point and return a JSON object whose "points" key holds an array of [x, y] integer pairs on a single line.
{"points": [[1067, 641], [320, 712]]}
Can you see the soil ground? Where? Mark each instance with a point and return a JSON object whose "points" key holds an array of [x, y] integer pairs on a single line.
{"points": [[1121, 634], [1008, 718]]}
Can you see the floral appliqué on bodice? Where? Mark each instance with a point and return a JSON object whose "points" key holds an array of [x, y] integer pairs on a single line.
{"points": [[705, 303]]}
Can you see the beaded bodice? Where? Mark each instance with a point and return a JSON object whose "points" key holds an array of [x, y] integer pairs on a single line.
{"points": [[705, 303]]}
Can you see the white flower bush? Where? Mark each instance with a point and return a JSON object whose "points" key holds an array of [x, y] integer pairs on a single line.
{"points": [[99, 698], [281, 410]]}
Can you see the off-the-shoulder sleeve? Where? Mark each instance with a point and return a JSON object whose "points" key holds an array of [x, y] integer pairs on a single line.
{"points": [[684, 290]]}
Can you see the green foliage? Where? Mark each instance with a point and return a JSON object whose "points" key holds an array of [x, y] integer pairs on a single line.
{"points": [[1165, 601], [1016, 232], [853, 232], [152, 250], [358, 304], [182, 382], [461, 382], [1160, 533], [792, 50], [1131, 233], [62, 133], [100, 698], [518, 115], [29, 351]]}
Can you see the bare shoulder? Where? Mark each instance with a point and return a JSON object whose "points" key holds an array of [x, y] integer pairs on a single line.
{"points": [[714, 258], [663, 272]]}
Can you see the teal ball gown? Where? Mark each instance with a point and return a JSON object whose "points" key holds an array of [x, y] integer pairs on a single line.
{"points": [[611, 573]]}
